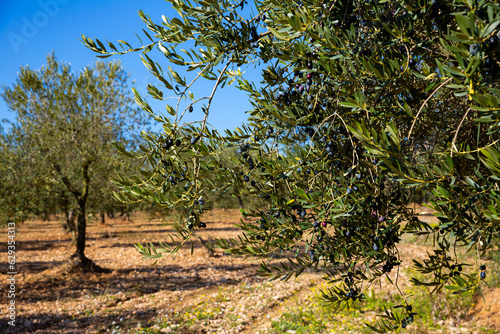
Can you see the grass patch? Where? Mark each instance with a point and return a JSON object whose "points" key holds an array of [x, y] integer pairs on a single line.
{"points": [[317, 316], [434, 312]]}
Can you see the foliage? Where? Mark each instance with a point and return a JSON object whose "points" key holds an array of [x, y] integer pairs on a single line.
{"points": [[387, 98], [14, 182]]}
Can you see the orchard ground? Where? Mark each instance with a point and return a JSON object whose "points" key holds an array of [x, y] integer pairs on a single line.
{"points": [[201, 294]]}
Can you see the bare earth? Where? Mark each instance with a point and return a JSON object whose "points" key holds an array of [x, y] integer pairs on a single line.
{"points": [[50, 301]]}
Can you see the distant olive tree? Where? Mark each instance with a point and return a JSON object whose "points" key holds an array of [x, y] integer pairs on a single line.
{"points": [[386, 98], [58, 151]]}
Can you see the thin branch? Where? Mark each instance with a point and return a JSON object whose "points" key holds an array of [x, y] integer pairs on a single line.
{"points": [[423, 105], [204, 124], [317, 129], [479, 149], [355, 154], [213, 93], [183, 93], [456, 133]]}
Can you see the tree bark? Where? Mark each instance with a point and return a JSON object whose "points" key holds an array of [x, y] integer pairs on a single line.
{"points": [[103, 218], [240, 203], [81, 228], [70, 226]]}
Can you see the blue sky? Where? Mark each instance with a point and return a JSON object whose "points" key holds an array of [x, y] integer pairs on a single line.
{"points": [[31, 29]]}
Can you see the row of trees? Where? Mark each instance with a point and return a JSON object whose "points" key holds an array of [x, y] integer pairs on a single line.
{"points": [[387, 98], [57, 157]]}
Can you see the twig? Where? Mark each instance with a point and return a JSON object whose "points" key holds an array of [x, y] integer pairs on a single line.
{"points": [[423, 105], [456, 133]]}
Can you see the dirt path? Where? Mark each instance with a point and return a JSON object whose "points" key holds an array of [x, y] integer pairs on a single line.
{"points": [[189, 294], [50, 301]]}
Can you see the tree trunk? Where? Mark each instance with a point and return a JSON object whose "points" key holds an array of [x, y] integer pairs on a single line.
{"points": [[78, 261], [240, 203], [81, 229], [46, 216], [207, 245], [126, 216], [111, 214], [103, 219], [70, 226]]}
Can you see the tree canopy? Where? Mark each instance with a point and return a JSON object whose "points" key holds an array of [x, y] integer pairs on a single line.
{"points": [[385, 99], [58, 156]]}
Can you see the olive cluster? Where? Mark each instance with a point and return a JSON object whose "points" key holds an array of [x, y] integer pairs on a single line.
{"points": [[491, 68], [353, 292], [254, 43], [243, 148], [483, 274], [385, 237], [455, 270], [378, 232], [269, 131], [174, 177], [301, 212], [191, 225], [297, 87], [347, 229], [166, 144], [377, 202], [334, 147], [330, 146], [285, 97], [389, 264], [409, 318], [349, 279], [263, 226], [192, 220], [268, 222], [249, 161], [440, 11], [309, 131]]}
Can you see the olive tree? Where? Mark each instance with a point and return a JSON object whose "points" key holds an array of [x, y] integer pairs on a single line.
{"points": [[58, 153], [385, 99]]}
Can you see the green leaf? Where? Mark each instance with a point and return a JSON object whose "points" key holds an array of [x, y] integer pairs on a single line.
{"points": [[349, 105], [452, 287], [170, 110]]}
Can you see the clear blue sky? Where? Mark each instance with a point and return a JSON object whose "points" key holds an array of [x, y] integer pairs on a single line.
{"points": [[31, 29]]}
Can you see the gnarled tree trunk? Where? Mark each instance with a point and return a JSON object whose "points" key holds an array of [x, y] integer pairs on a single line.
{"points": [[78, 261], [69, 226], [240, 203], [125, 215]]}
